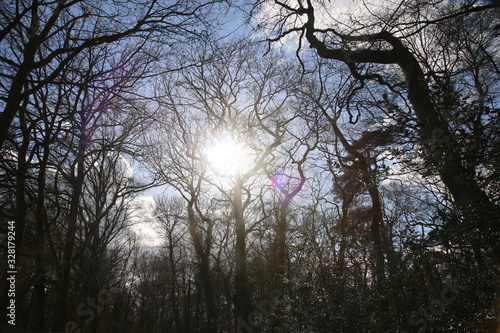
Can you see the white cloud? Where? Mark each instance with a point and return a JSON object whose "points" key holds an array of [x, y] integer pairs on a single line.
{"points": [[127, 169], [143, 221]]}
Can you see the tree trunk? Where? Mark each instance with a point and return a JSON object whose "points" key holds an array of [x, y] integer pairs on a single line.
{"points": [[281, 244], [344, 219], [38, 298], [435, 135], [173, 285], [94, 267], [20, 213], [69, 243], [15, 95], [204, 270], [188, 309], [21, 207], [443, 153], [376, 230], [241, 292]]}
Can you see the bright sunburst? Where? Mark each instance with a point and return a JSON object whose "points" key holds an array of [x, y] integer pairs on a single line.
{"points": [[227, 157]]}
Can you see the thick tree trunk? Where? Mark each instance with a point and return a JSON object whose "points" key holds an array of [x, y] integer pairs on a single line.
{"points": [[281, 244], [20, 215], [187, 311], [69, 242], [347, 197], [443, 152], [376, 230], [21, 174], [343, 237], [173, 285], [21, 207], [94, 268], [282, 225], [241, 292], [38, 298], [204, 270], [15, 95], [435, 136], [442, 149], [209, 295]]}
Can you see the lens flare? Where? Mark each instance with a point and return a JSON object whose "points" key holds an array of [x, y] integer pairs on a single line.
{"points": [[277, 180]]}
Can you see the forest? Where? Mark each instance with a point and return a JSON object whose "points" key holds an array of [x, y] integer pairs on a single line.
{"points": [[209, 166]]}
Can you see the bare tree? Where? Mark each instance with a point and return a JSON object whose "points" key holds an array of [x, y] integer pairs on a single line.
{"points": [[170, 213], [39, 35], [390, 46], [177, 164], [225, 98]]}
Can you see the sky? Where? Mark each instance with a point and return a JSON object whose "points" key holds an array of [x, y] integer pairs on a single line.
{"points": [[144, 225]]}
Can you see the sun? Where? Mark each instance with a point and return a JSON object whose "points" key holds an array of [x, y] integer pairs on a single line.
{"points": [[227, 157]]}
